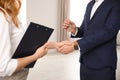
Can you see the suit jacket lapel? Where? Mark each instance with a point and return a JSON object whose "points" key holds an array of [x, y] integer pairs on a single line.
{"points": [[88, 11], [101, 8], [97, 11]]}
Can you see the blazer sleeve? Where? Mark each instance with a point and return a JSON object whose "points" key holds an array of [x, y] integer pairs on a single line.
{"points": [[110, 30], [80, 32]]}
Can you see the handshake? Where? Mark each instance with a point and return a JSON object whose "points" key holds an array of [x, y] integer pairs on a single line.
{"points": [[64, 47]]}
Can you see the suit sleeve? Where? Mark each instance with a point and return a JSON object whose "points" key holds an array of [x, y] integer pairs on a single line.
{"points": [[80, 32], [110, 30]]}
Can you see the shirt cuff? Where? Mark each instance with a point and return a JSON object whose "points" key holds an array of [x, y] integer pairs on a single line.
{"points": [[75, 32], [11, 67], [78, 45]]}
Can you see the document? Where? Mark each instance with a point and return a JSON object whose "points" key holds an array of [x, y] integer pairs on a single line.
{"points": [[35, 36]]}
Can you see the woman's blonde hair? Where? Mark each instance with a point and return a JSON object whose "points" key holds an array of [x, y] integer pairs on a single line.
{"points": [[12, 7]]}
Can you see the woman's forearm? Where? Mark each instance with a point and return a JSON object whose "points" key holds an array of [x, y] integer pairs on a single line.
{"points": [[22, 62]]}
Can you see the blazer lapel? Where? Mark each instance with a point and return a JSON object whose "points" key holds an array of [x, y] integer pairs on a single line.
{"points": [[97, 11], [101, 8], [88, 11]]}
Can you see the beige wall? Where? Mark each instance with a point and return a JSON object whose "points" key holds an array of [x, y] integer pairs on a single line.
{"points": [[43, 12]]}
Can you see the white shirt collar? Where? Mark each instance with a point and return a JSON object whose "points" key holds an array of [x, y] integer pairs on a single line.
{"points": [[99, 0]]}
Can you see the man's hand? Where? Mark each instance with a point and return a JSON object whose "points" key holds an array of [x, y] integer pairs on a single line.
{"points": [[65, 47], [69, 26]]}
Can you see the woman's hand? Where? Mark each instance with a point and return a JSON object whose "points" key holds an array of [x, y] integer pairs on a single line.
{"points": [[51, 45], [41, 51]]}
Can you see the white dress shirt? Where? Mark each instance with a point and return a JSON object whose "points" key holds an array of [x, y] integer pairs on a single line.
{"points": [[10, 37], [94, 8]]}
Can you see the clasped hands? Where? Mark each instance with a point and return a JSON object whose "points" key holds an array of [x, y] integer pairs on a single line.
{"points": [[64, 47]]}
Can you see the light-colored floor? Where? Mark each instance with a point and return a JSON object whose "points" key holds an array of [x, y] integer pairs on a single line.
{"points": [[56, 66]]}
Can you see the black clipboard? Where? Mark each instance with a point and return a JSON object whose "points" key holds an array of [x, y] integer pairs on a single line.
{"points": [[35, 36]]}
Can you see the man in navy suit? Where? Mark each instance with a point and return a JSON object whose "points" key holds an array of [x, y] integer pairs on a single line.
{"points": [[98, 40]]}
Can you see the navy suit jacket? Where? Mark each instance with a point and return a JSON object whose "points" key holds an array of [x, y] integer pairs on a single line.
{"points": [[98, 42]]}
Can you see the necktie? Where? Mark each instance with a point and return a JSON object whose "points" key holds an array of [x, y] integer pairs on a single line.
{"points": [[88, 10]]}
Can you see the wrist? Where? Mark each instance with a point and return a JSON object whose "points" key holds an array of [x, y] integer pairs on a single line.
{"points": [[74, 31], [35, 56]]}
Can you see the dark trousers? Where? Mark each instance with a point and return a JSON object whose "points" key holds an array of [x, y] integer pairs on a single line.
{"points": [[106, 73]]}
